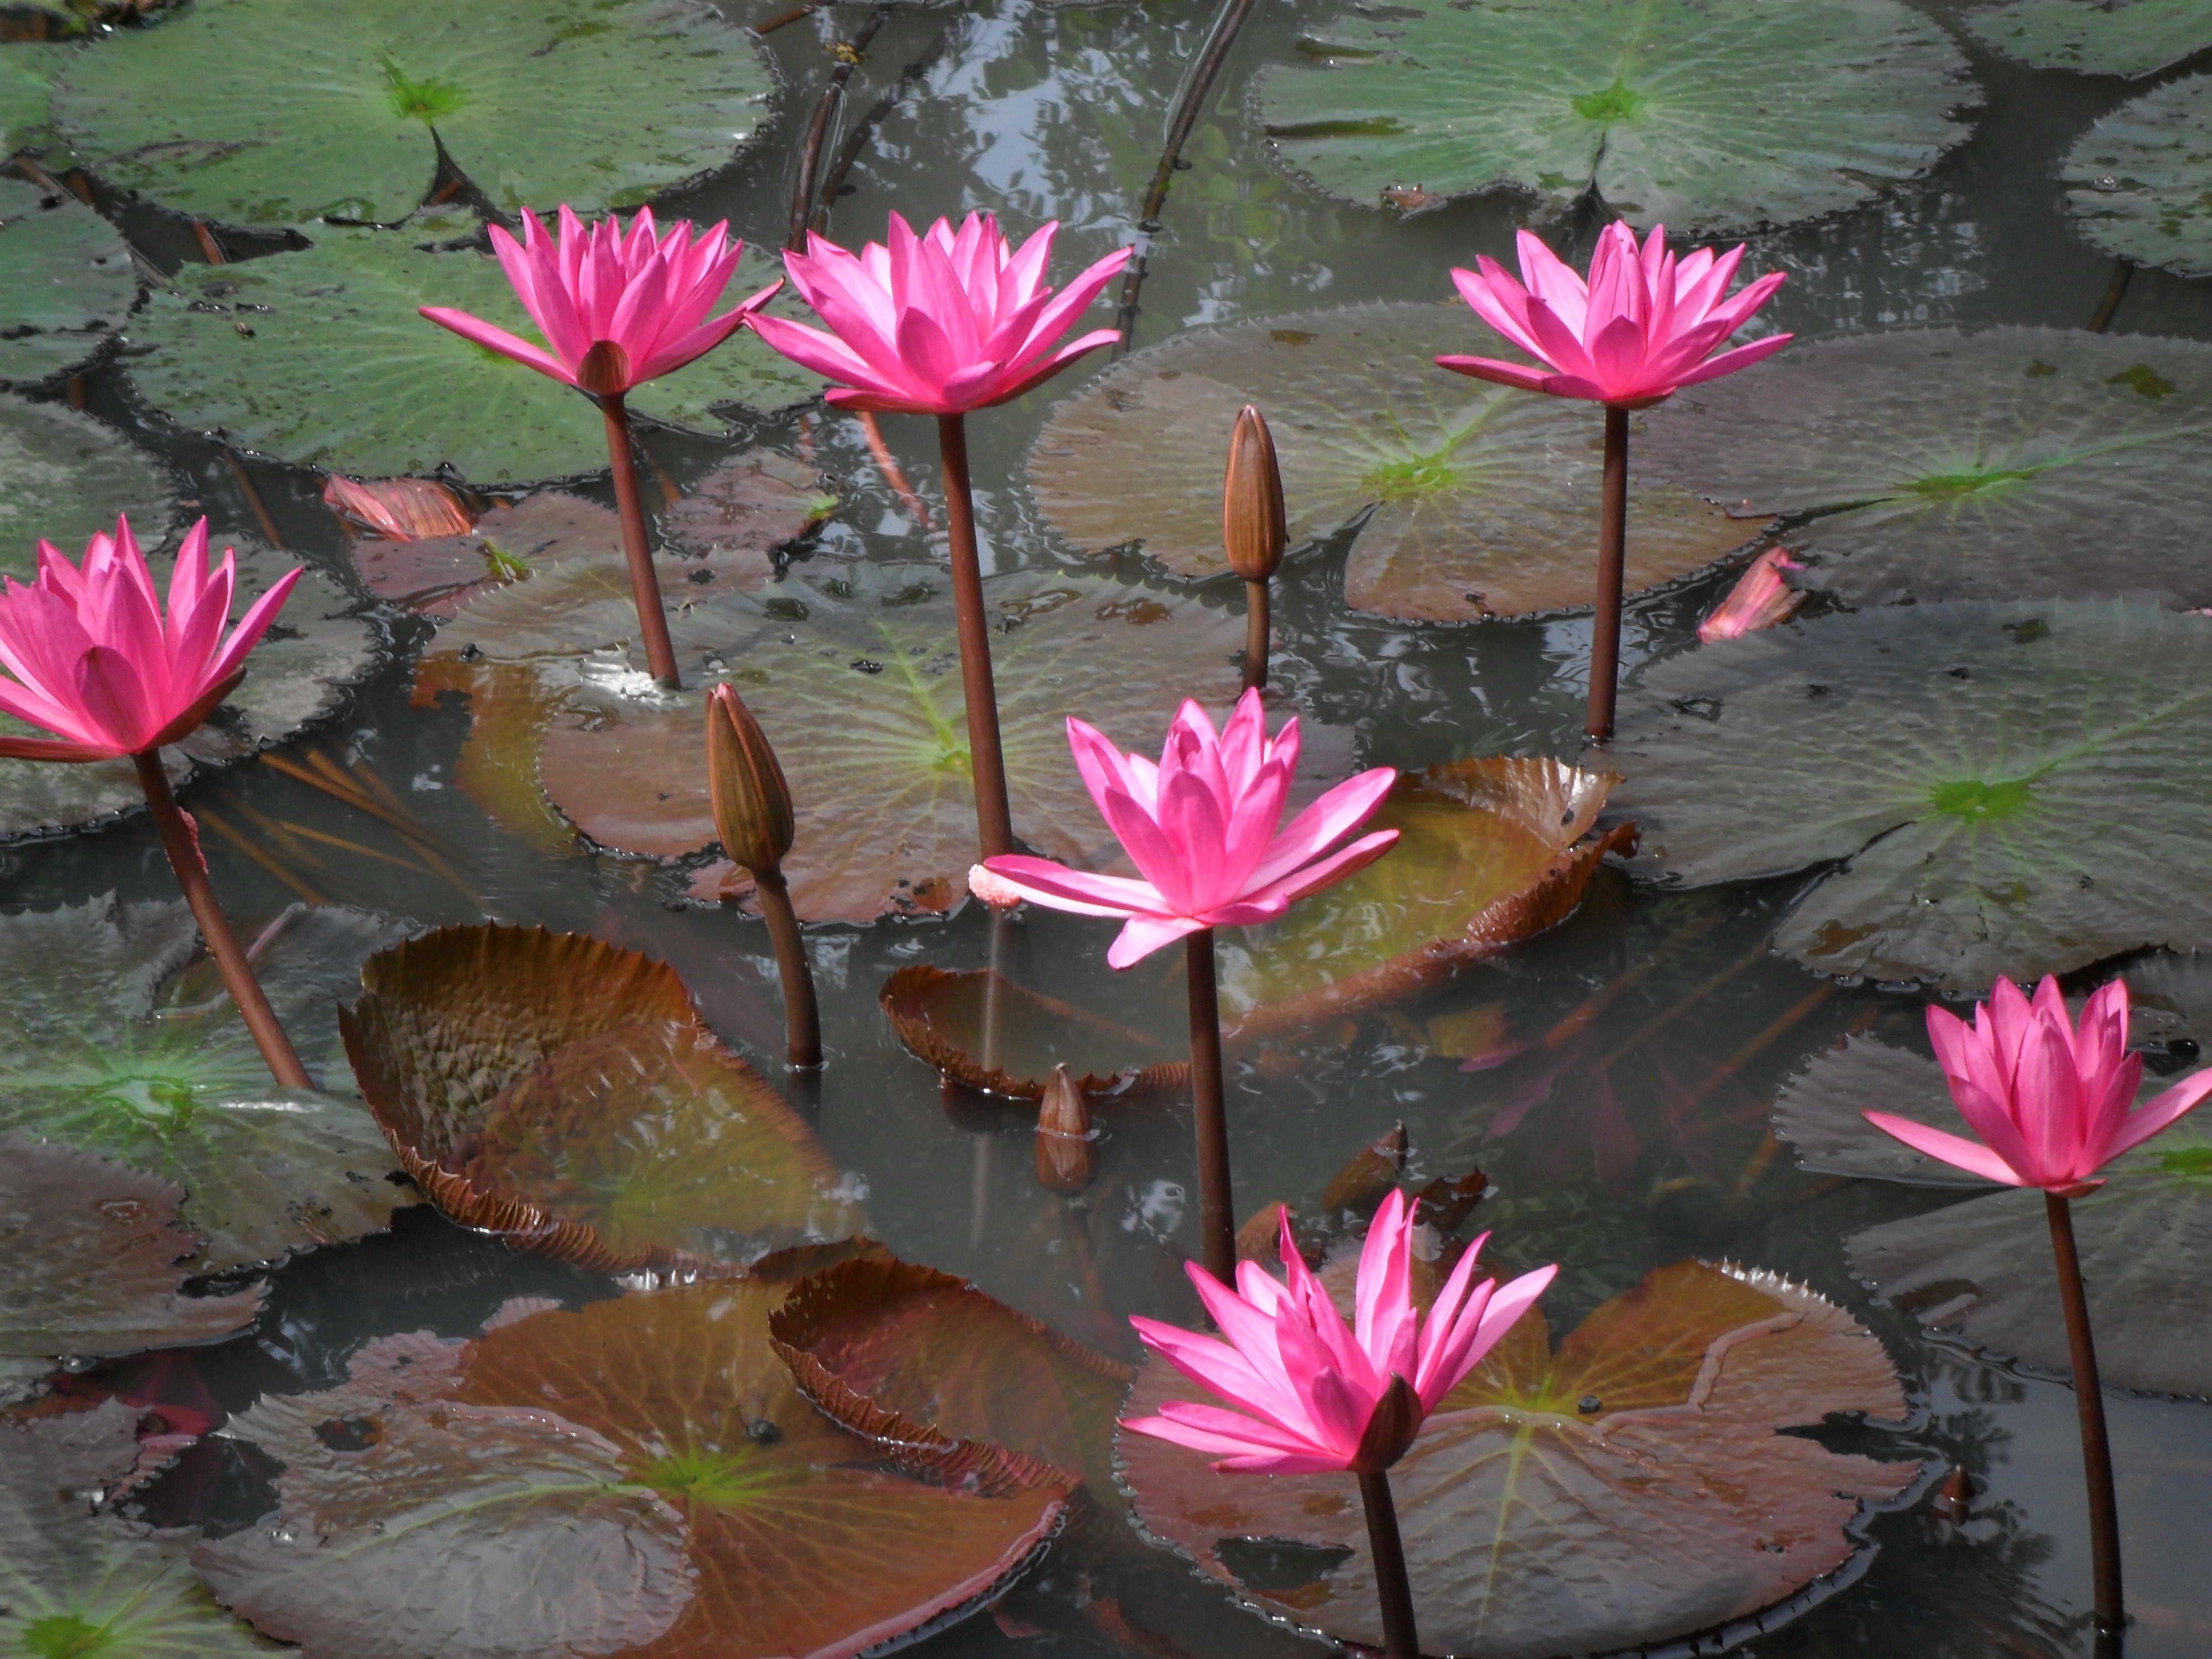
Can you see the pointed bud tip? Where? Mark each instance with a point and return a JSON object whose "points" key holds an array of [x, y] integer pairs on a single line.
{"points": [[1254, 529]]}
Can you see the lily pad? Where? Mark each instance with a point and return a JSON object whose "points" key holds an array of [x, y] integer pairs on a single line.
{"points": [[567, 1094], [941, 1018], [435, 575], [1489, 851], [1983, 1266], [1473, 500], [93, 1252], [27, 86], [74, 1581], [64, 477], [2137, 182], [1701, 114], [1956, 766], [2131, 38], [641, 1476], [115, 1050], [649, 93], [1634, 1487], [250, 350], [66, 283], [1933, 464]]}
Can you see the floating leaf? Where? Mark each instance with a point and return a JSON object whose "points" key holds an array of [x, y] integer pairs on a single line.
{"points": [[93, 1250], [649, 93], [2132, 38], [1704, 115], [1959, 764], [869, 1339], [26, 85], [63, 478], [1489, 851], [1983, 1266], [941, 1018], [435, 575], [250, 349], [561, 1090], [76, 1583], [749, 505], [1933, 464], [1633, 1487], [66, 283], [1478, 501], [638, 1474], [2138, 180], [107, 1054]]}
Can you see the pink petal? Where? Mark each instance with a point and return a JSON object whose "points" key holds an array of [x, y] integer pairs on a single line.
{"points": [[1326, 821], [1059, 888], [1142, 935], [498, 339], [2161, 1113], [1501, 373], [1950, 1149]]}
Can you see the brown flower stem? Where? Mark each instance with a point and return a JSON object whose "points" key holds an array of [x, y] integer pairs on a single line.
{"points": [[1217, 1210], [2124, 270], [802, 1025], [1392, 1586], [994, 824], [182, 844], [1612, 559], [2089, 1400], [644, 585], [1257, 621], [995, 980]]}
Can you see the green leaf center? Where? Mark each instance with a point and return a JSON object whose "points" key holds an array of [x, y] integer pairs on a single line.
{"points": [[705, 1477], [1412, 478], [1615, 103], [1978, 802], [64, 1636], [421, 101], [1965, 483], [2191, 1163]]}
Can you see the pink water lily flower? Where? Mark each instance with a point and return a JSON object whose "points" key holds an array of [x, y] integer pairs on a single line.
{"points": [[1310, 1393], [645, 294], [2052, 1103], [94, 659], [936, 323], [1200, 827], [1643, 326], [1760, 599]]}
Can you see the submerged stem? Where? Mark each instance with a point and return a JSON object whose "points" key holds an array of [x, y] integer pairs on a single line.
{"points": [[1393, 1589], [1612, 561], [1217, 1210], [182, 844], [802, 1024], [644, 584], [994, 826], [2089, 1400]]}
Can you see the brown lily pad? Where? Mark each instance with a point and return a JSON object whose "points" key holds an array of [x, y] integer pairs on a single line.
{"points": [[1489, 851], [1473, 500], [435, 575], [639, 1476], [1632, 1487], [566, 1093], [940, 1017], [749, 505]]}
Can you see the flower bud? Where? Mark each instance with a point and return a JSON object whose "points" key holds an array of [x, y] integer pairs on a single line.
{"points": [[751, 801], [1066, 1158], [1253, 528]]}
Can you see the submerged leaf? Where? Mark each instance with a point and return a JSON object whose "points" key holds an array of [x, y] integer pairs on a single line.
{"points": [[1473, 500], [2132, 38], [943, 1017], [1632, 1487], [66, 284], [2139, 182]]}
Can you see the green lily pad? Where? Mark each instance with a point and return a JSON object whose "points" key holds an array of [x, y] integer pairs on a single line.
{"points": [[116, 1050], [1983, 1266], [1960, 766], [250, 349], [66, 283], [565, 1093], [1933, 464], [63, 478], [1477, 500], [2137, 182], [27, 86], [1489, 851], [94, 1253], [78, 1582], [1631, 1487], [639, 1475], [1703, 115], [648, 94], [2132, 38]]}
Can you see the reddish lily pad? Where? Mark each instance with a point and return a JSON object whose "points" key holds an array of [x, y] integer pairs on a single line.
{"points": [[651, 1481], [1633, 1487], [567, 1094], [1473, 500], [1489, 851], [435, 575], [941, 1018]]}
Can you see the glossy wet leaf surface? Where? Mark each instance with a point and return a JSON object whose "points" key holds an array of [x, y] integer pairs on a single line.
{"points": [[113, 1054], [2132, 38], [1938, 464], [66, 282], [2138, 182], [1489, 851], [1483, 500], [557, 1088], [641, 1476], [1535, 1527], [648, 94], [1959, 765], [249, 349], [1704, 117], [1006, 1038], [64, 477]]}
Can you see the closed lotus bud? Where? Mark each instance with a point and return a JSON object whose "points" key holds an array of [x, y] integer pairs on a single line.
{"points": [[1066, 1159], [1253, 528], [751, 801]]}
